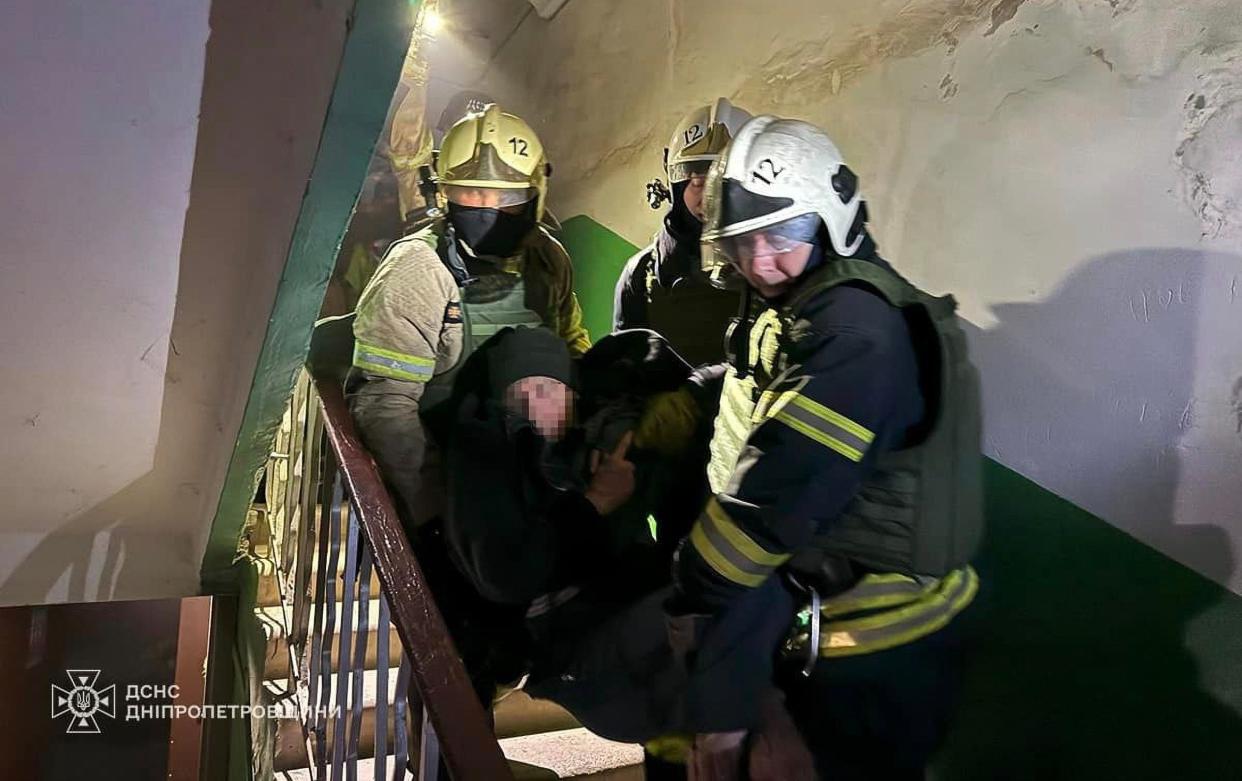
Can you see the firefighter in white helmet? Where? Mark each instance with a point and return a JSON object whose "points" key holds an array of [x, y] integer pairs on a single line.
{"points": [[845, 462]]}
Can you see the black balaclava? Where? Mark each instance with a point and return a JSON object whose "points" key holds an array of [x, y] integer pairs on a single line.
{"points": [[680, 251], [681, 222], [488, 232]]}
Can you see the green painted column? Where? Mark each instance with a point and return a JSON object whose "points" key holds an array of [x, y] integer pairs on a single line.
{"points": [[370, 67]]}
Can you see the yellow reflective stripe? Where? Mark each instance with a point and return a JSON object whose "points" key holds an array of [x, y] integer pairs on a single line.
{"points": [[947, 584], [671, 748], [730, 551], [390, 363], [718, 561], [888, 630], [833, 417], [740, 540], [828, 441], [877, 590], [411, 359]]}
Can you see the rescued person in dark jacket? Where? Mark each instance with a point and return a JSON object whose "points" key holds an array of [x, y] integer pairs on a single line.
{"points": [[556, 473]]}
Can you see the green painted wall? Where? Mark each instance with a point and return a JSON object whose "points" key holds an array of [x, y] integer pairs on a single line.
{"points": [[599, 254], [1096, 658]]}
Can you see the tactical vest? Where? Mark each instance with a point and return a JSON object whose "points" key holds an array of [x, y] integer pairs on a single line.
{"points": [[489, 303], [692, 315], [919, 512]]}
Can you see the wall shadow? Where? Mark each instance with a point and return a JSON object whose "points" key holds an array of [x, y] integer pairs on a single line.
{"points": [[268, 79], [1083, 667]]}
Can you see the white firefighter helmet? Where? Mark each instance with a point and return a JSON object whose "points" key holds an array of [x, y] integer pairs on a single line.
{"points": [[782, 176]]}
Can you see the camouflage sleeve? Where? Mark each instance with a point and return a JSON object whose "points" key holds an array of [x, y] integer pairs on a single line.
{"points": [[408, 325], [568, 312], [573, 329]]}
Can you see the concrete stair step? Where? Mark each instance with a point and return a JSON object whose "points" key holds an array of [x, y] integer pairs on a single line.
{"points": [[517, 715], [567, 754], [577, 753], [269, 585], [366, 772], [367, 768], [276, 660]]}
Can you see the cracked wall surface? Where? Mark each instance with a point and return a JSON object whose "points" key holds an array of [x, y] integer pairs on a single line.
{"points": [[1070, 169]]}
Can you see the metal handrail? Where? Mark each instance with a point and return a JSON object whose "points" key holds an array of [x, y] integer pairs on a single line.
{"points": [[334, 522]]}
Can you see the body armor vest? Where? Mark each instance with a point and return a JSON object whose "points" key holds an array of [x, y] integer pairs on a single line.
{"points": [[920, 510], [489, 304]]}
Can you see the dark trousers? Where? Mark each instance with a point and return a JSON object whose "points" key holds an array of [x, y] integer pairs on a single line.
{"points": [[624, 682], [879, 716], [872, 717], [490, 638]]}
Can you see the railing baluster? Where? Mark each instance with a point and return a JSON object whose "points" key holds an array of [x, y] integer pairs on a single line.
{"points": [[382, 633], [428, 750], [299, 412], [314, 499], [345, 667], [360, 657], [401, 733], [466, 739], [447, 731], [312, 475], [332, 511], [417, 715]]}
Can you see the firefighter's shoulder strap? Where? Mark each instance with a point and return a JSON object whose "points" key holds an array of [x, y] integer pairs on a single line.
{"points": [[921, 510]]}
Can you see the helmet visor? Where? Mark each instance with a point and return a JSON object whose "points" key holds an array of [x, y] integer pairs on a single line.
{"points": [[683, 171], [487, 197], [778, 239]]}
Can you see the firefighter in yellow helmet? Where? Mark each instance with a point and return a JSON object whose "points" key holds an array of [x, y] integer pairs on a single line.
{"points": [[441, 292], [663, 287]]}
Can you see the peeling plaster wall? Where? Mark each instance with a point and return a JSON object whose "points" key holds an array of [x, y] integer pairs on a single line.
{"points": [[1070, 169], [154, 159]]}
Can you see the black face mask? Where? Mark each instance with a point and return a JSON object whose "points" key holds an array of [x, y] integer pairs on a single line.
{"points": [[490, 232], [681, 222]]}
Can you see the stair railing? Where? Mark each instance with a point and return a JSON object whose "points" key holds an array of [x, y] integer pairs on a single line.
{"points": [[338, 525]]}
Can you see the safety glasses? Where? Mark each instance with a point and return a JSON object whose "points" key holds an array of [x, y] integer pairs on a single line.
{"points": [[680, 172], [488, 197]]}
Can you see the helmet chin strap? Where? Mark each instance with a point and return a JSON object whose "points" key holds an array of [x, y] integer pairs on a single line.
{"points": [[818, 256], [740, 348]]}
